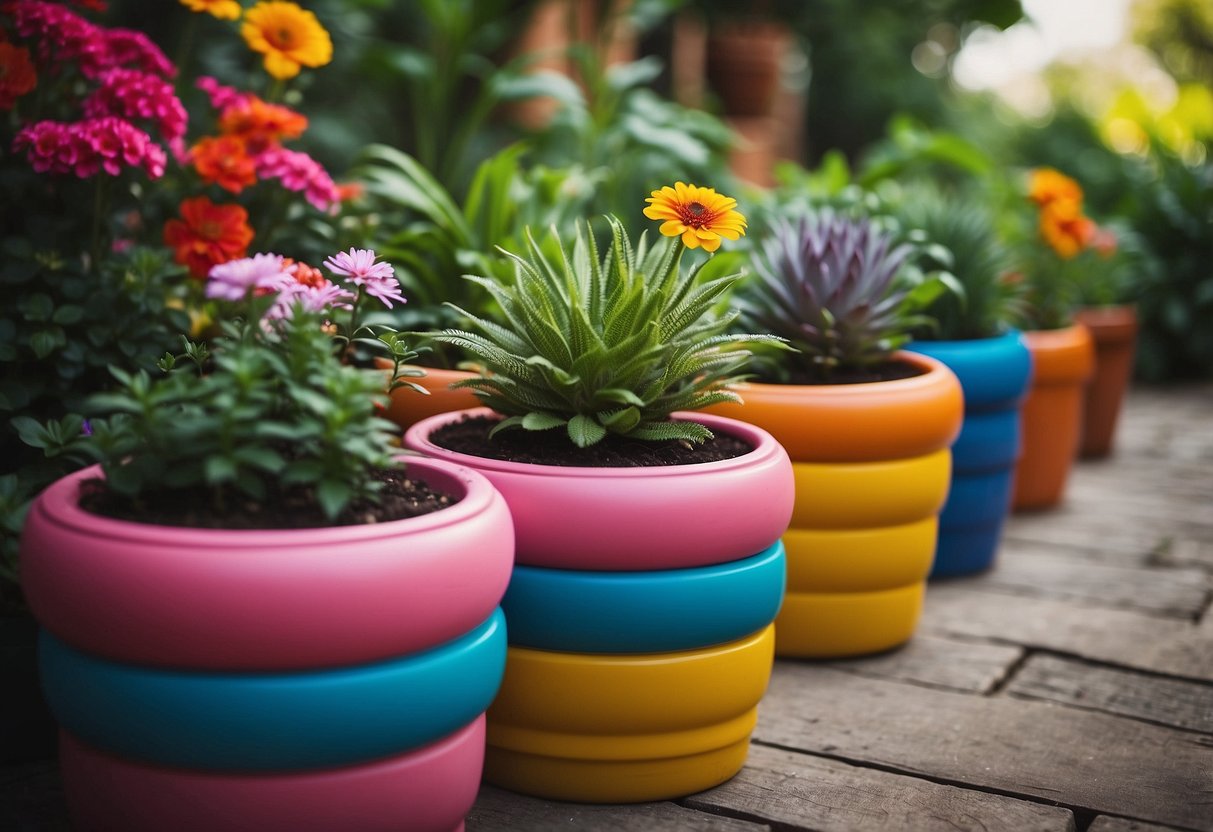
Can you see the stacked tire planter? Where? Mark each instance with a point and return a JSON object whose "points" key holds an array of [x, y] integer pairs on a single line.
{"points": [[312, 679], [1062, 363], [872, 468], [994, 374], [640, 619]]}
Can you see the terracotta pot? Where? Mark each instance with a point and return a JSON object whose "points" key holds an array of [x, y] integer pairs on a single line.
{"points": [[1062, 362], [626, 681], [1114, 332], [872, 468], [407, 407], [235, 672], [994, 374]]}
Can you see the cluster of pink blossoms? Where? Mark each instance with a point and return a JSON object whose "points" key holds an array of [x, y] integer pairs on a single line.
{"points": [[299, 172], [134, 94], [86, 147], [65, 37], [299, 285]]}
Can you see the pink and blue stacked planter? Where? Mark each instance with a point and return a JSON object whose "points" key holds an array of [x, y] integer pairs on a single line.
{"points": [[323, 679]]}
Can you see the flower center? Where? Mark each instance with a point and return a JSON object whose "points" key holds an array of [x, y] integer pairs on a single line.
{"points": [[282, 38], [696, 215]]}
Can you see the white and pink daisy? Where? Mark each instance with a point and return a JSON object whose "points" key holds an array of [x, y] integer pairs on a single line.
{"points": [[358, 266]]}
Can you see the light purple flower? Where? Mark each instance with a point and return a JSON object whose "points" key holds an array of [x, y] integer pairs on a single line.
{"points": [[259, 274], [298, 171], [359, 267], [322, 299]]}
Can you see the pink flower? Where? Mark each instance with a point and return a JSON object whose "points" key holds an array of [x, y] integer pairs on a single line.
{"points": [[85, 147], [63, 36], [359, 267], [298, 172], [221, 97], [259, 274], [132, 94], [322, 299]]}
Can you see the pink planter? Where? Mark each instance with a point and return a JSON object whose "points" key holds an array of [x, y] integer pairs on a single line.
{"points": [[621, 519], [427, 790], [267, 599]]}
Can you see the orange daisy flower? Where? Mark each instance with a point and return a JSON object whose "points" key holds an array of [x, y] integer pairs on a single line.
{"points": [[260, 124], [1064, 227], [17, 76], [1046, 185], [225, 161], [288, 36], [700, 216], [222, 9], [207, 235]]}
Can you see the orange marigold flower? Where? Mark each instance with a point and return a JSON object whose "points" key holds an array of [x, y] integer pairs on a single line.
{"points": [[303, 273], [17, 76], [207, 235], [290, 37], [1046, 185], [222, 9], [260, 124], [1064, 227], [700, 216], [225, 161]]}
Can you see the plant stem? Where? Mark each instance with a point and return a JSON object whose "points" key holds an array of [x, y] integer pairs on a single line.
{"points": [[94, 246]]}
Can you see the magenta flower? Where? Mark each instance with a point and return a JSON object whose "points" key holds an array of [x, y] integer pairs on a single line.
{"points": [[322, 299], [86, 147], [298, 171], [359, 267], [259, 274], [221, 96], [63, 36], [134, 94]]}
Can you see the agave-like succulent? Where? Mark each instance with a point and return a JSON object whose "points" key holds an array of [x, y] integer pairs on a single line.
{"points": [[604, 345], [839, 290]]}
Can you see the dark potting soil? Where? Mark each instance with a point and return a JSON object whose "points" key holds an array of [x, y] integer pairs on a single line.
{"points": [[890, 371], [553, 447], [285, 506]]}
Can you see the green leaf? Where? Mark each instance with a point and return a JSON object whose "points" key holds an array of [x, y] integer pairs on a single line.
{"points": [[585, 431], [620, 421], [333, 496], [541, 421]]}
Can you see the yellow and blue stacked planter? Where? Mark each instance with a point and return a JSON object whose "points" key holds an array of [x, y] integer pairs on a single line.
{"points": [[640, 617]]}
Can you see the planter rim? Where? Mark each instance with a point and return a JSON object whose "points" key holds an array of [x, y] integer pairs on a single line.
{"points": [[59, 503], [1061, 356], [844, 391], [763, 446]]}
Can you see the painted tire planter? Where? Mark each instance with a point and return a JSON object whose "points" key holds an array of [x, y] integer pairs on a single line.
{"points": [[300, 655], [428, 788], [408, 407], [225, 600], [643, 609], [994, 374], [1114, 333], [1062, 361], [274, 721], [626, 728], [872, 470], [644, 612]]}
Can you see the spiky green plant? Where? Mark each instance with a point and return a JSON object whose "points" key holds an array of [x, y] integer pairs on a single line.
{"points": [[841, 290], [610, 344]]}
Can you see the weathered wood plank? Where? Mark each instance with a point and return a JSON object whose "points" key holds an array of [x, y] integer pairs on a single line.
{"points": [[1120, 637], [806, 792], [939, 662], [1034, 569], [1162, 700], [1181, 551], [497, 810], [1103, 823], [1080, 759]]}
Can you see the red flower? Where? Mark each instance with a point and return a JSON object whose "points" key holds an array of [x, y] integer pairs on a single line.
{"points": [[224, 160], [208, 234], [17, 76]]}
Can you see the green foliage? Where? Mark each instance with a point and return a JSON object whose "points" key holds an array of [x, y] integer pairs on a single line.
{"points": [[275, 407], [604, 345], [841, 290]]}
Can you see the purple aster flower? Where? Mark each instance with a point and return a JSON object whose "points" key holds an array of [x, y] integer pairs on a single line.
{"points": [[322, 298], [260, 273], [359, 267]]}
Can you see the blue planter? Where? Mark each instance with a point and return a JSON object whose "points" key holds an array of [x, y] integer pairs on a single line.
{"points": [[994, 374]]}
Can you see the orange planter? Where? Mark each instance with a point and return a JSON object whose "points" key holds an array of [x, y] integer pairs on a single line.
{"points": [[1114, 331], [872, 467], [1062, 361], [408, 406]]}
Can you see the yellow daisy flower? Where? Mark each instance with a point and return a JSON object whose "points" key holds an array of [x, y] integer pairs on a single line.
{"points": [[700, 216], [222, 9], [288, 36]]}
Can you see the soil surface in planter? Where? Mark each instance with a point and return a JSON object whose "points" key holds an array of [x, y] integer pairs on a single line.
{"points": [[284, 507], [553, 447], [890, 371]]}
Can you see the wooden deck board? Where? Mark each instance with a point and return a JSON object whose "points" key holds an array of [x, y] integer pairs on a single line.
{"points": [[1071, 684]]}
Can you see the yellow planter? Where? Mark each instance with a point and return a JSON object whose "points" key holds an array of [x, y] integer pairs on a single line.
{"points": [[625, 728], [872, 466]]}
